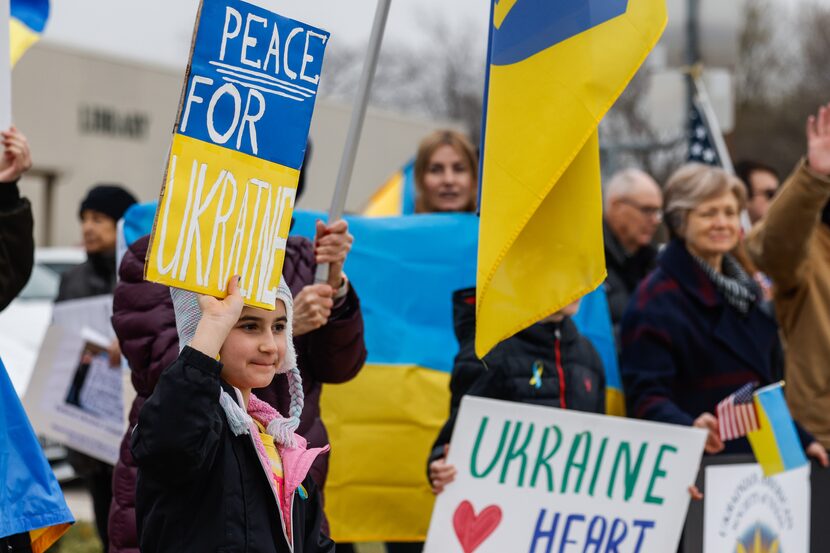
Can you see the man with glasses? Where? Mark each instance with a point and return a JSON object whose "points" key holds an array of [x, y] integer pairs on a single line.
{"points": [[761, 183], [632, 213]]}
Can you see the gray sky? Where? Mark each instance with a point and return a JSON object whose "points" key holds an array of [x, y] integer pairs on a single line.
{"points": [[159, 31]]}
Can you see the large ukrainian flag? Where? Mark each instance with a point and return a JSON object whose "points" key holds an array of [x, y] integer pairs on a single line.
{"points": [[382, 424], [555, 68], [28, 19], [30, 497]]}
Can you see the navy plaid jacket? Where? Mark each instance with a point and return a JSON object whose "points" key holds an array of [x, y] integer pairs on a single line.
{"points": [[684, 348]]}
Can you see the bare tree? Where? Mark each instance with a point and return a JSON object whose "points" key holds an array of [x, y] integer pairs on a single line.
{"points": [[442, 78], [763, 56], [778, 87]]}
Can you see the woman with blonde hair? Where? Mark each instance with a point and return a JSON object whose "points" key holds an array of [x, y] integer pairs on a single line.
{"points": [[446, 173], [694, 331]]}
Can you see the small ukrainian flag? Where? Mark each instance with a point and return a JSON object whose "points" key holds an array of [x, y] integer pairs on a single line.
{"points": [[396, 196], [28, 19], [775, 444]]}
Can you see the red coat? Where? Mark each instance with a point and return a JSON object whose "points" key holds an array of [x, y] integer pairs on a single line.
{"points": [[144, 322]]}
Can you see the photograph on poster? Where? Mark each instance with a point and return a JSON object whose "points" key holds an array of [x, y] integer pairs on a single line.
{"points": [[75, 396], [746, 512], [95, 383]]}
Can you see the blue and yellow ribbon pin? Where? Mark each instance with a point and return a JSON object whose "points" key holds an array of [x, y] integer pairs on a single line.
{"points": [[536, 379]]}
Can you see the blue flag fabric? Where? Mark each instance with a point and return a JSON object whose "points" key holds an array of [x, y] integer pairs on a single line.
{"points": [[458, 236], [26, 23], [404, 270], [30, 497], [421, 300]]}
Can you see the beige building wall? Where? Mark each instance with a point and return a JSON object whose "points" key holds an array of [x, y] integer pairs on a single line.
{"points": [[90, 120]]}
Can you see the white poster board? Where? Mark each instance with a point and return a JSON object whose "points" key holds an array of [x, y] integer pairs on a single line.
{"points": [[75, 397], [539, 479], [741, 507]]}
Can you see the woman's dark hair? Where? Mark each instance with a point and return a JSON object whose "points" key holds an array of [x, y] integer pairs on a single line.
{"points": [[745, 168]]}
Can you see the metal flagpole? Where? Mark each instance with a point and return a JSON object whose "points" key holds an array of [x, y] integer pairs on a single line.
{"points": [[344, 174]]}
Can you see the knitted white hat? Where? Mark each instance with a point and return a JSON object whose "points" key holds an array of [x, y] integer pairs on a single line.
{"points": [[188, 314]]}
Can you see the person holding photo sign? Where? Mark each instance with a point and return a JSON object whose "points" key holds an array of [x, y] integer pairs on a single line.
{"points": [[695, 332], [220, 469], [99, 213]]}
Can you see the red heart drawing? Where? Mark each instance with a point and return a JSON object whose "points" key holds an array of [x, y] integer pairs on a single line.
{"points": [[472, 529]]}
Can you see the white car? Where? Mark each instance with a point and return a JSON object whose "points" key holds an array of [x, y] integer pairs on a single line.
{"points": [[23, 325], [24, 322]]}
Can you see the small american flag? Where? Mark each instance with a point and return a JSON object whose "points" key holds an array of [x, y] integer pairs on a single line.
{"points": [[701, 145], [736, 413]]}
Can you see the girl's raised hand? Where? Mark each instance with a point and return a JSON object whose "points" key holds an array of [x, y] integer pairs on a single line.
{"points": [[218, 318]]}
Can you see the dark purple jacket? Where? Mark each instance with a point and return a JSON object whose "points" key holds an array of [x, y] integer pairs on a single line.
{"points": [[146, 328], [144, 322]]}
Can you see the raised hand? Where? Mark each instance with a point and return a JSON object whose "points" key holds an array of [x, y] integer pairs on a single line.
{"points": [[218, 318], [331, 245], [17, 159], [818, 141]]}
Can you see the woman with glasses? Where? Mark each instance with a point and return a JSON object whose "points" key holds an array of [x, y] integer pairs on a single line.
{"points": [[694, 331]]}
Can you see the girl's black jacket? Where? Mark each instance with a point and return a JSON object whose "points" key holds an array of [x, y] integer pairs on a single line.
{"points": [[570, 369], [200, 488]]}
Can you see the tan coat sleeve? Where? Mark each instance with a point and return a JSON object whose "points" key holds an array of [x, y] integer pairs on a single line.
{"points": [[779, 243]]}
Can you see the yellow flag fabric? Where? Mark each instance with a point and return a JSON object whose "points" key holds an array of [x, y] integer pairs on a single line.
{"points": [[377, 487], [540, 239], [394, 197]]}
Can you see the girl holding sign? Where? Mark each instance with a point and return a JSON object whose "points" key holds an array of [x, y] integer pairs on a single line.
{"points": [[220, 469]]}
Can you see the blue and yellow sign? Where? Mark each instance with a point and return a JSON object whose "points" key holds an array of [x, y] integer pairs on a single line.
{"points": [[238, 145]]}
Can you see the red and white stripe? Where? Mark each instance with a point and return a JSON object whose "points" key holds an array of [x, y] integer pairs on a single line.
{"points": [[736, 421]]}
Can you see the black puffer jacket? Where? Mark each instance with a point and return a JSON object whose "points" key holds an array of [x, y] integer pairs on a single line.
{"points": [[572, 375], [200, 488], [17, 244]]}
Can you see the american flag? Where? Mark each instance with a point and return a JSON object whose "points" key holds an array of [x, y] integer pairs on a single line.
{"points": [[701, 144], [736, 413]]}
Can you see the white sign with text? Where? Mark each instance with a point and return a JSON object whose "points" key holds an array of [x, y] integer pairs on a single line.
{"points": [[76, 396], [539, 480]]}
